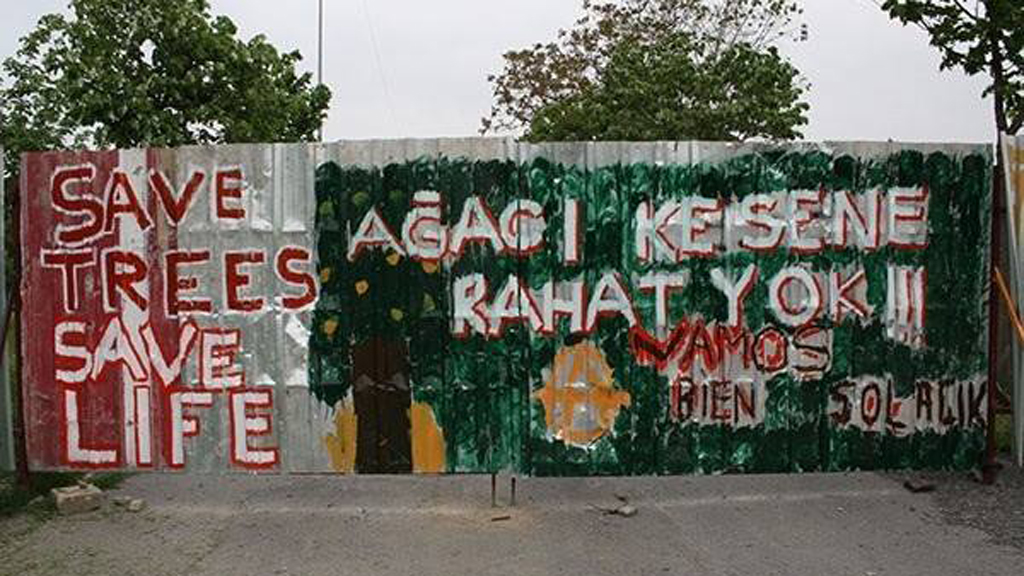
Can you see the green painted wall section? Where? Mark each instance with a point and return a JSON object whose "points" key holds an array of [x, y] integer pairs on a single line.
{"points": [[481, 390]]}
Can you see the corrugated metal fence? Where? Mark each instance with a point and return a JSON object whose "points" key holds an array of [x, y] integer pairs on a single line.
{"points": [[8, 355], [1013, 163], [481, 305]]}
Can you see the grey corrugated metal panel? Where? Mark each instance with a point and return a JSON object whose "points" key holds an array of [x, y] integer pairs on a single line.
{"points": [[280, 210], [1016, 281], [309, 422], [387, 152], [874, 149], [566, 153], [355, 153], [478, 149], [598, 154], [7, 375], [382, 152], [358, 152], [300, 426], [6, 428], [711, 152], [668, 153], [601, 154], [1018, 380]]}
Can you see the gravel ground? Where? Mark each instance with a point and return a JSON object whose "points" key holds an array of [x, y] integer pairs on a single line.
{"points": [[997, 510]]}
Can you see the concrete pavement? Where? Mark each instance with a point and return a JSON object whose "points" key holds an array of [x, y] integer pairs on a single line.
{"points": [[856, 524]]}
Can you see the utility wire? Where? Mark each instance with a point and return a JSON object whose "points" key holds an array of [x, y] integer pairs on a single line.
{"points": [[380, 67], [878, 4]]}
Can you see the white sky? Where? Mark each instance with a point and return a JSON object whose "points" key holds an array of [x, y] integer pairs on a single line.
{"points": [[871, 79]]}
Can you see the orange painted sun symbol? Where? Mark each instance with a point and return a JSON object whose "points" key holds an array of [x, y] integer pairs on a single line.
{"points": [[579, 395]]}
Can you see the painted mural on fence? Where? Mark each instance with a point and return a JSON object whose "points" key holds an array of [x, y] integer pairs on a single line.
{"points": [[481, 305]]}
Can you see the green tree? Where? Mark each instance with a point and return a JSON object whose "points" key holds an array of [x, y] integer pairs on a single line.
{"points": [[128, 73], [982, 37], [657, 69]]}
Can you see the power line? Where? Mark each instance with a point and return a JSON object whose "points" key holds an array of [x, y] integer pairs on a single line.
{"points": [[380, 66], [878, 4]]}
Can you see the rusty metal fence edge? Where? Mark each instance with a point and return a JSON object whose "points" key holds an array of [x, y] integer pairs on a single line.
{"points": [[6, 399]]}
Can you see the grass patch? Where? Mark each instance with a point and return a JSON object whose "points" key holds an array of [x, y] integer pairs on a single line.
{"points": [[14, 500]]}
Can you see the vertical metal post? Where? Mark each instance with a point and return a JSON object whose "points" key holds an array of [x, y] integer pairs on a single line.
{"points": [[989, 466], [7, 402], [320, 58], [494, 490], [12, 322], [512, 499]]}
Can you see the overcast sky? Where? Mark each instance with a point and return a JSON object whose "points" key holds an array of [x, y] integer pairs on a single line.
{"points": [[409, 68]]}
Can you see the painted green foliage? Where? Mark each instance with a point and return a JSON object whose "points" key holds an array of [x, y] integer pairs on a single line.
{"points": [[480, 389]]}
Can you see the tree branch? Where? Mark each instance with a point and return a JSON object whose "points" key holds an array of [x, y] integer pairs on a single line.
{"points": [[1015, 127], [965, 11]]}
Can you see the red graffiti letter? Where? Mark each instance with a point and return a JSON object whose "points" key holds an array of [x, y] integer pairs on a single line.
{"points": [[177, 283], [121, 185], [68, 263], [235, 279], [286, 255], [115, 276], [229, 186], [87, 206], [175, 209]]}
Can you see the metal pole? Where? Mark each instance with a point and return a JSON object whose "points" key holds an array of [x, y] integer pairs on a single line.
{"points": [[989, 466], [22, 475], [320, 59], [13, 313]]}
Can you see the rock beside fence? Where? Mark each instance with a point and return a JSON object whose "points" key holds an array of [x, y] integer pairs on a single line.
{"points": [[76, 499]]}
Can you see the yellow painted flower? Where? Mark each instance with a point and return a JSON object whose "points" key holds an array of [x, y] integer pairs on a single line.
{"points": [[362, 286], [330, 326], [397, 314], [325, 275], [429, 267], [393, 258]]}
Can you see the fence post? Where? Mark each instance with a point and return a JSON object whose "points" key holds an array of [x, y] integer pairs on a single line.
{"points": [[989, 466], [12, 332], [6, 398]]}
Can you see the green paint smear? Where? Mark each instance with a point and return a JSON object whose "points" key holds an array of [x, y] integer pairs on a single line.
{"points": [[480, 389]]}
